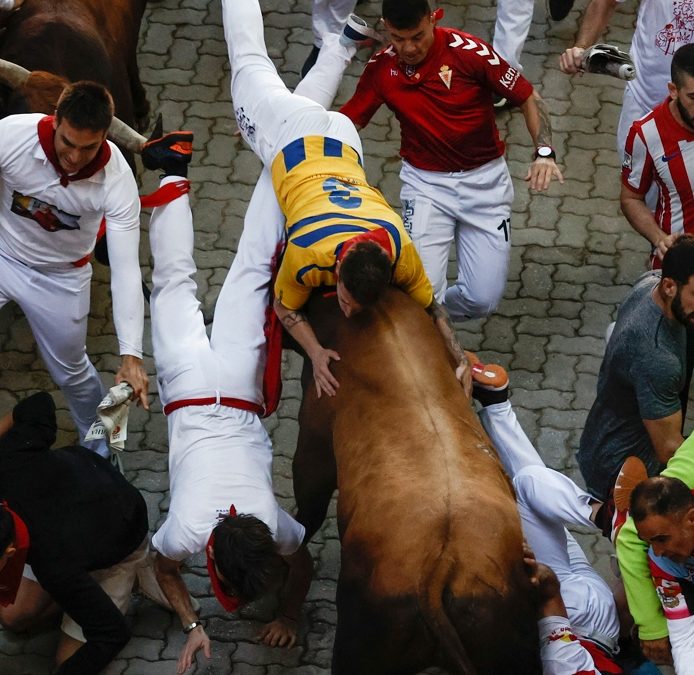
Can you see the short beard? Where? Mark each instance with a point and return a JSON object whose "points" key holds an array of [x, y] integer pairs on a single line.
{"points": [[686, 117], [687, 320]]}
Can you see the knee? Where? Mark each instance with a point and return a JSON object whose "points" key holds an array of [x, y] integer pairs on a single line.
{"points": [[464, 304], [15, 621]]}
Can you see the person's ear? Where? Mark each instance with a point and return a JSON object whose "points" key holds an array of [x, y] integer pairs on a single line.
{"points": [[672, 90]]}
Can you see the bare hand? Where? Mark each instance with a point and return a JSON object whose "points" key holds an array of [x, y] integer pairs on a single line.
{"points": [[571, 61], [197, 639], [132, 371], [541, 172], [464, 376], [279, 633], [324, 379], [663, 244], [657, 651], [531, 564]]}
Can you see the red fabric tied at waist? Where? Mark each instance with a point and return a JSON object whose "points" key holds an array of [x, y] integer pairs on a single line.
{"points": [[226, 401]]}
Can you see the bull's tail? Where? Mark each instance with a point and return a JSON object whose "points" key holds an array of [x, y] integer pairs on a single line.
{"points": [[439, 623]]}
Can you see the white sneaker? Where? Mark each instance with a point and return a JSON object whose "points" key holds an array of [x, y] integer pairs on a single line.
{"points": [[358, 33]]}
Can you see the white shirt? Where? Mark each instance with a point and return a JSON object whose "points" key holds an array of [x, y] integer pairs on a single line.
{"points": [[43, 224]]}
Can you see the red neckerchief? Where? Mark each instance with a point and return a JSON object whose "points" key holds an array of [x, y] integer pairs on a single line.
{"points": [[11, 574], [47, 140], [379, 235]]}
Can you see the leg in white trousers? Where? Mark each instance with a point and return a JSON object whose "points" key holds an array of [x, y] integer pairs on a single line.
{"points": [[547, 501], [55, 302], [513, 19], [329, 16]]}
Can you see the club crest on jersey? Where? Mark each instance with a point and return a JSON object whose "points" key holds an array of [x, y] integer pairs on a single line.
{"points": [[445, 73], [411, 71]]}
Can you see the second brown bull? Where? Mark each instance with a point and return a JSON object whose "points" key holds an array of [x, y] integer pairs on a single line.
{"points": [[431, 543]]}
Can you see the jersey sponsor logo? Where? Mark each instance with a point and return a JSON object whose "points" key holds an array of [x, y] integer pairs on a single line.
{"points": [[394, 72], [446, 74], [480, 49], [671, 156], [626, 161], [49, 217], [509, 78]]}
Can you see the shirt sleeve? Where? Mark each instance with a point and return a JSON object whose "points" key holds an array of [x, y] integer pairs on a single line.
{"points": [[409, 275], [638, 171], [123, 238], [288, 290], [657, 383], [366, 99], [290, 533], [632, 554]]}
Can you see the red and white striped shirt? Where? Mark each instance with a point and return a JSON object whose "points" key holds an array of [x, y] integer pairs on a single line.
{"points": [[659, 149]]}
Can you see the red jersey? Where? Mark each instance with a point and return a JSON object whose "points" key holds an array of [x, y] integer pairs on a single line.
{"points": [[659, 149], [444, 104]]}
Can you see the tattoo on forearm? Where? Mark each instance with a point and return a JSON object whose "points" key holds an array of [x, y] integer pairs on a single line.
{"points": [[292, 319], [443, 322], [544, 133]]}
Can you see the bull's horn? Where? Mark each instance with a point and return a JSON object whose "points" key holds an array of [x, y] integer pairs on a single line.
{"points": [[12, 74], [119, 132]]}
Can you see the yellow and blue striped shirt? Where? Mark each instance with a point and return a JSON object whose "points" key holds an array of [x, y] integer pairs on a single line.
{"points": [[322, 190]]}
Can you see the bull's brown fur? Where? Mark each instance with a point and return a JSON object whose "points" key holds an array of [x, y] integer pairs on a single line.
{"points": [[431, 567], [77, 40]]}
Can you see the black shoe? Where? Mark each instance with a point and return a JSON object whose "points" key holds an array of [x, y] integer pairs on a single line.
{"points": [[310, 61], [558, 9], [171, 152]]}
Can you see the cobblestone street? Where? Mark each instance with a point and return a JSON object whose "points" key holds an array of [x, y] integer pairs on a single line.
{"points": [[574, 258]]}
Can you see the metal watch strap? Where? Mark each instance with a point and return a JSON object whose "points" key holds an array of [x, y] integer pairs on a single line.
{"points": [[192, 626]]}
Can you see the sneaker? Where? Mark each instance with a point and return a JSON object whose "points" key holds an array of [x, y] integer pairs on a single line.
{"points": [[559, 9], [632, 473], [171, 152], [489, 381], [357, 32]]}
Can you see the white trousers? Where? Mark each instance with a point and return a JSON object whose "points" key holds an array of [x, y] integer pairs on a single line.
{"points": [[547, 501], [513, 19], [329, 16], [472, 208], [268, 114], [55, 301], [682, 642]]}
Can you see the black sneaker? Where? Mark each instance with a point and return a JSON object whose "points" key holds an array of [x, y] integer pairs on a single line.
{"points": [[171, 152], [558, 9]]}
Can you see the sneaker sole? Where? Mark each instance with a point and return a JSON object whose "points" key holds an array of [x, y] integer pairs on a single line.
{"points": [[632, 473]]}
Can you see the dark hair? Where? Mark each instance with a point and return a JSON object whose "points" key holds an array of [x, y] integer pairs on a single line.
{"points": [[86, 105], [660, 496], [405, 14], [366, 271], [6, 529], [682, 64], [678, 261], [245, 554]]}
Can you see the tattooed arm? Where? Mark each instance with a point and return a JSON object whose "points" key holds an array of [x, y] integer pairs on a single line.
{"points": [[443, 323], [542, 169], [299, 328]]}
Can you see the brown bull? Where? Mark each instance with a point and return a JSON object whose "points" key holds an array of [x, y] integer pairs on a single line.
{"points": [[431, 566], [75, 40]]}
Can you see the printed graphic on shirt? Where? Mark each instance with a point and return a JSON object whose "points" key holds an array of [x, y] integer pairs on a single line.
{"points": [[468, 44], [680, 31], [49, 217]]}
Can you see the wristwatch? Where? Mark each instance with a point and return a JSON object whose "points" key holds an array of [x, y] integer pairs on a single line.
{"points": [[192, 626], [545, 151]]}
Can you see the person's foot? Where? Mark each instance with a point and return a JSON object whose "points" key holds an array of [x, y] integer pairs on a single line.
{"points": [[358, 33], [489, 381], [559, 9], [632, 473], [171, 152], [310, 61]]}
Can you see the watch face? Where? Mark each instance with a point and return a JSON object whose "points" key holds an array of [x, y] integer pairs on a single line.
{"points": [[544, 151]]}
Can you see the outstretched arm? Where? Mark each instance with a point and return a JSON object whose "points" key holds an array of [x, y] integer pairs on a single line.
{"points": [[445, 327], [597, 15], [297, 325], [542, 170]]}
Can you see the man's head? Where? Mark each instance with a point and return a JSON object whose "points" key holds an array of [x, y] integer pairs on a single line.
{"points": [[410, 24], [245, 559], [363, 275], [663, 512], [681, 88], [677, 284], [82, 119], [7, 535]]}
